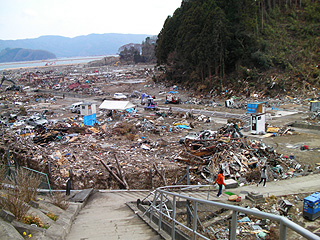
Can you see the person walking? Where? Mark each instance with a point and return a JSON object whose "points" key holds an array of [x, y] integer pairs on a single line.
{"points": [[263, 176], [220, 182]]}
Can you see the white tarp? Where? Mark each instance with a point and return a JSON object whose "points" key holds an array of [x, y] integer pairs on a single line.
{"points": [[116, 105]]}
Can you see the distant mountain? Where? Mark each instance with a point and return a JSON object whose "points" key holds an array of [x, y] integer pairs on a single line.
{"points": [[21, 54], [90, 45]]}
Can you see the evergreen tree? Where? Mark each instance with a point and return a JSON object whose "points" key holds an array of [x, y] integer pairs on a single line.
{"points": [[204, 38]]}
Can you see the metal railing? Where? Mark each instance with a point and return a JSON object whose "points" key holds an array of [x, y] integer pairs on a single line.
{"points": [[164, 205], [45, 183], [10, 170]]}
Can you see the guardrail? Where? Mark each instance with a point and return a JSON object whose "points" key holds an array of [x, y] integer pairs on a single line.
{"points": [[164, 204]]}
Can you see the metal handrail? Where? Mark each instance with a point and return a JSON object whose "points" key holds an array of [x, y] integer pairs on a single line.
{"points": [[43, 174], [159, 192]]}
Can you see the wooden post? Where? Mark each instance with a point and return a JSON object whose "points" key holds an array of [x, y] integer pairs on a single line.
{"points": [[120, 172], [111, 172], [161, 175]]}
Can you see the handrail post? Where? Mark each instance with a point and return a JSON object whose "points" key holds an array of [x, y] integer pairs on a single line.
{"points": [[283, 231], [188, 175], [153, 205], [188, 213], [195, 219], [233, 228], [173, 230], [160, 212], [49, 184]]}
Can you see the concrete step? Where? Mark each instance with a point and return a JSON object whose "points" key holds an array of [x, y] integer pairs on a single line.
{"points": [[107, 217], [132, 196]]}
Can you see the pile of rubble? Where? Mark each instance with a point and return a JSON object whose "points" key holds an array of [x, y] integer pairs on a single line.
{"points": [[149, 154], [141, 150], [66, 149], [239, 157], [76, 79]]}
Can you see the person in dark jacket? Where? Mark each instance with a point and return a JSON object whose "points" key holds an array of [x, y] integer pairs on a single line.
{"points": [[220, 182], [263, 176]]}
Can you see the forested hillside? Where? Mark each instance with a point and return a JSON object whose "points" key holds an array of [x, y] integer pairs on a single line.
{"points": [[21, 54], [265, 46], [89, 45]]}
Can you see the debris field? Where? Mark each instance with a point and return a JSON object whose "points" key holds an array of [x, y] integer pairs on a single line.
{"points": [[128, 150]]}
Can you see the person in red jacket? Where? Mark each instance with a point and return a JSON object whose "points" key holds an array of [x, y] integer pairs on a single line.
{"points": [[220, 182]]}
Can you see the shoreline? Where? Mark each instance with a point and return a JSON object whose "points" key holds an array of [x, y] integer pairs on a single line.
{"points": [[38, 63]]}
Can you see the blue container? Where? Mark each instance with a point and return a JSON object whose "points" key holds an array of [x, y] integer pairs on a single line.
{"points": [[316, 195], [311, 205]]}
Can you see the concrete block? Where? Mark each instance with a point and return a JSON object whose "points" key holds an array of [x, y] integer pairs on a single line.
{"points": [[231, 183], [28, 229], [8, 232], [255, 197], [34, 204], [6, 215]]}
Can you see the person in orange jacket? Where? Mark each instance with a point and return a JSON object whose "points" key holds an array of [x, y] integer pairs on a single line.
{"points": [[220, 182]]}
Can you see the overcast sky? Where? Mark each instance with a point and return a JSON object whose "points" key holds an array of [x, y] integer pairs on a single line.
{"points": [[21, 19]]}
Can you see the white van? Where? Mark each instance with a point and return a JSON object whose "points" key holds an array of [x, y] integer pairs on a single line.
{"points": [[75, 107]]}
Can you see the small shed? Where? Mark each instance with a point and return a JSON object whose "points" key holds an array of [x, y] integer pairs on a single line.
{"points": [[256, 107], [257, 111], [87, 108]]}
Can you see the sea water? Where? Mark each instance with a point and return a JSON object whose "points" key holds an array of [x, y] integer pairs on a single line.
{"points": [[49, 62]]}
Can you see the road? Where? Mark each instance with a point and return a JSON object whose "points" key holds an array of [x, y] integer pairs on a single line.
{"points": [[306, 184]]}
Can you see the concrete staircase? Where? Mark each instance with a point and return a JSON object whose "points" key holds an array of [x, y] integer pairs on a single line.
{"points": [[106, 216]]}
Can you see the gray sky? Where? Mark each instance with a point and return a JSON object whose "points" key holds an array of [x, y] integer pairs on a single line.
{"points": [[21, 19]]}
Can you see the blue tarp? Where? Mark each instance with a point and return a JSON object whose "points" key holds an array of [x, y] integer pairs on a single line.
{"points": [[252, 107], [183, 126], [131, 110], [90, 120]]}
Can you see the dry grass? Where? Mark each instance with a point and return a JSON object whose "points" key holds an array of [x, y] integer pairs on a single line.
{"points": [[2, 175], [22, 188], [27, 182], [59, 199], [12, 202]]}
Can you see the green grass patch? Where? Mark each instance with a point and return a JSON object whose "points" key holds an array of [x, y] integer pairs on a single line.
{"points": [[230, 193]]}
